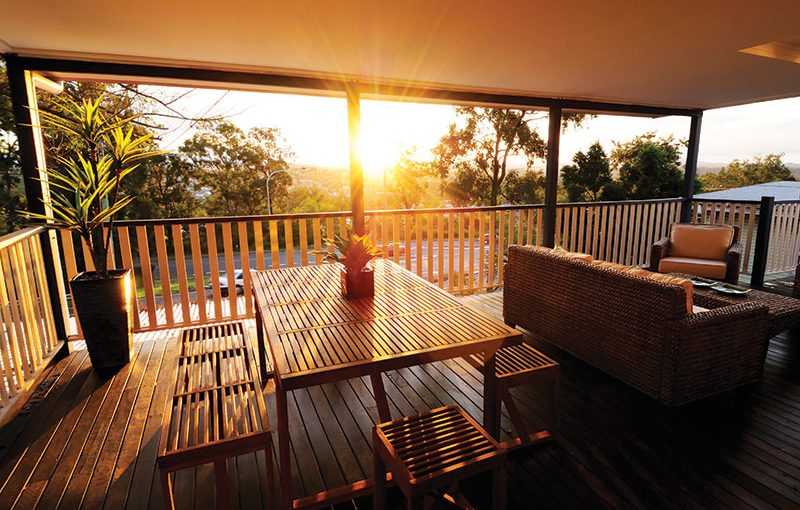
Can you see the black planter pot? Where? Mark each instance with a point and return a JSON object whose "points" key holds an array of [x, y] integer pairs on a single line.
{"points": [[356, 285], [105, 312]]}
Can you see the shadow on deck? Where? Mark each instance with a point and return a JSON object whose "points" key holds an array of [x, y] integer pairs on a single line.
{"points": [[89, 441]]}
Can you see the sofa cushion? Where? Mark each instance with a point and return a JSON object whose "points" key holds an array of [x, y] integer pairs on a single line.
{"points": [[685, 284], [698, 267], [561, 252], [700, 241]]}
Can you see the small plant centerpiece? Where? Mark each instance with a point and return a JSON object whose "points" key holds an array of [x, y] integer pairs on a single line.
{"points": [[85, 196], [355, 253]]}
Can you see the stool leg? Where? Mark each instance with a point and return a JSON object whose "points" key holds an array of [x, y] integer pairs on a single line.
{"points": [[166, 490], [223, 487], [378, 481], [499, 489]]}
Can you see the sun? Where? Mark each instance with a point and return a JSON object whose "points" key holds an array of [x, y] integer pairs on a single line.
{"points": [[379, 153], [390, 128]]}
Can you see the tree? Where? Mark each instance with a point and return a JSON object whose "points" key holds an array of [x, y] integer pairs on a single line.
{"points": [[145, 105], [524, 187], [407, 180], [168, 190], [477, 152], [745, 173], [586, 177], [648, 167], [233, 167], [12, 195]]}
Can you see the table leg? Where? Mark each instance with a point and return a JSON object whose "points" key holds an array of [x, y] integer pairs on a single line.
{"points": [[491, 403], [380, 397], [284, 460], [262, 354]]}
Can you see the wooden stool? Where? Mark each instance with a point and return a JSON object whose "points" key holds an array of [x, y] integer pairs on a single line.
{"points": [[431, 452], [517, 365], [217, 411]]}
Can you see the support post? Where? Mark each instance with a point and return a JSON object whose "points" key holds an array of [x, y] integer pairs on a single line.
{"points": [[356, 169], [551, 178], [690, 174], [761, 250], [32, 158]]}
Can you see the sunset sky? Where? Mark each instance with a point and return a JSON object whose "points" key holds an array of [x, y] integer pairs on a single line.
{"points": [[316, 127]]}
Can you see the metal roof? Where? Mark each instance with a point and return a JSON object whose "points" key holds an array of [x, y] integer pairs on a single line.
{"points": [[781, 190]]}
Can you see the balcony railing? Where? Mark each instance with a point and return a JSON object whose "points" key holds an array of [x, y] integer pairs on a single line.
{"points": [[178, 263], [29, 337]]}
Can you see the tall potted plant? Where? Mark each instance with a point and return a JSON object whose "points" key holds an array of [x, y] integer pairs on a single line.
{"points": [[85, 197], [354, 252]]}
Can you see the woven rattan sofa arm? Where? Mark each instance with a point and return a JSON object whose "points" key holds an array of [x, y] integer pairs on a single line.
{"points": [[714, 351], [657, 252], [733, 261]]}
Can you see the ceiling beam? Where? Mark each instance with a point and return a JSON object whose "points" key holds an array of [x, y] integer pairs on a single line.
{"points": [[377, 90]]}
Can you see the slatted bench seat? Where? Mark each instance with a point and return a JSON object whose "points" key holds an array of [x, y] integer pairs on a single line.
{"points": [[521, 364], [217, 410], [430, 453]]}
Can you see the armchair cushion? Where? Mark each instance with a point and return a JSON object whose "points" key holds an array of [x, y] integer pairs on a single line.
{"points": [[710, 242], [701, 267]]}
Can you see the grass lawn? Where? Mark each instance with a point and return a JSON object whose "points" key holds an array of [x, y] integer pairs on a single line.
{"points": [[174, 287]]}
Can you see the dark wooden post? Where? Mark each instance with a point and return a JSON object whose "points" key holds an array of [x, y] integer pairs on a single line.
{"points": [[32, 157], [761, 250], [551, 178], [690, 174], [356, 170]]}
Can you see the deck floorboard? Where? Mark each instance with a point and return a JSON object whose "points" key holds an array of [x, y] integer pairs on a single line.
{"points": [[88, 440]]}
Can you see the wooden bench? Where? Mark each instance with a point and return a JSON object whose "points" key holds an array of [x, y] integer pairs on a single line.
{"points": [[217, 410], [517, 365], [430, 453]]}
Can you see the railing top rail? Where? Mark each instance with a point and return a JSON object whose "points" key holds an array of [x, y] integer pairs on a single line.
{"points": [[378, 212], [296, 216], [15, 237], [225, 219], [447, 210], [623, 202]]}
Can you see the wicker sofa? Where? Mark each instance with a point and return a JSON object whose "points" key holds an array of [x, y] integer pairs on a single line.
{"points": [[637, 329]]}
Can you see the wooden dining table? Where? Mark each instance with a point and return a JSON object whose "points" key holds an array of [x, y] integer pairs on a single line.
{"points": [[316, 336]]}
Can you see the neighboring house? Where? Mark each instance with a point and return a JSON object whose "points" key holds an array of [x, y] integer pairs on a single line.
{"points": [[781, 190]]}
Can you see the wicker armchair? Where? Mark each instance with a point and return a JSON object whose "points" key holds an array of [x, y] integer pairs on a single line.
{"points": [[633, 327], [698, 259]]}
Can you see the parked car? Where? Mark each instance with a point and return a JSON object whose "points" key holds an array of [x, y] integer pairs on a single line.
{"points": [[238, 278]]}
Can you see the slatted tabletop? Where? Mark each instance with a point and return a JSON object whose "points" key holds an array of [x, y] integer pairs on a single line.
{"points": [[315, 333], [315, 336]]}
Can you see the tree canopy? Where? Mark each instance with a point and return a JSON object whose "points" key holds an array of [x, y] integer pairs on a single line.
{"points": [[474, 155], [738, 173], [586, 177], [649, 167], [406, 180], [232, 167]]}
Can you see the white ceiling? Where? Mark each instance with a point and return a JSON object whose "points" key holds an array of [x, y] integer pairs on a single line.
{"points": [[679, 53]]}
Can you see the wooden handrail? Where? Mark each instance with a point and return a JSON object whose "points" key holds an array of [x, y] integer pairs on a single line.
{"points": [[15, 237]]}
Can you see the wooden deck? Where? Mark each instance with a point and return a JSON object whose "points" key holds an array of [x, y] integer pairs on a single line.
{"points": [[90, 441]]}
